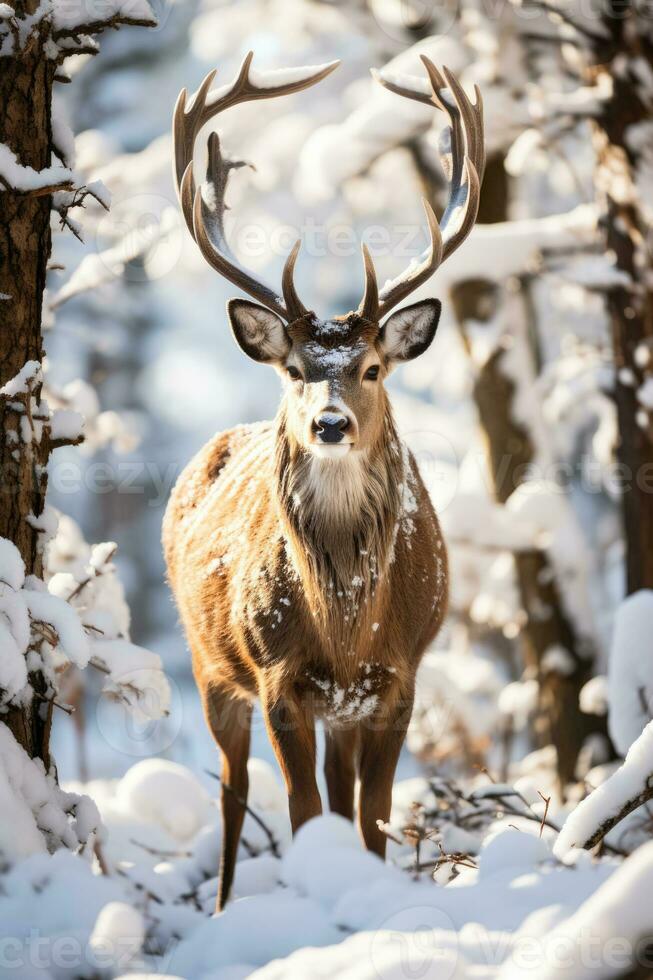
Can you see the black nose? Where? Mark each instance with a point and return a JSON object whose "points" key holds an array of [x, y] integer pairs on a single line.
{"points": [[330, 427]]}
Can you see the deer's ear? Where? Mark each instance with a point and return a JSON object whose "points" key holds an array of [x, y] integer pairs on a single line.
{"points": [[258, 332], [409, 332]]}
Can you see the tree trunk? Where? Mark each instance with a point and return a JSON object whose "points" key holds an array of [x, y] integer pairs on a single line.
{"points": [[26, 82], [628, 236], [510, 452]]}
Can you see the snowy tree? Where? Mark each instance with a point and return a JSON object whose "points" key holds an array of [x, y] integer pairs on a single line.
{"points": [[620, 55], [605, 63], [38, 180]]}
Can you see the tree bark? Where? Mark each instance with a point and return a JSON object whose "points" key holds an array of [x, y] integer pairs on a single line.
{"points": [[26, 81], [625, 57]]}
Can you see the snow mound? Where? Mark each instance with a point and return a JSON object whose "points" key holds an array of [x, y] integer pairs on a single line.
{"points": [[166, 794], [325, 908]]}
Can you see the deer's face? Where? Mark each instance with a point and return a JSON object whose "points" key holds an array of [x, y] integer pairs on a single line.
{"points": [[334, 370]]}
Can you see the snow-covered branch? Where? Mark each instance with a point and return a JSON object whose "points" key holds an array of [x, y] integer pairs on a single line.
{"points": [[73, 20], [625, 791], [32, 183]]}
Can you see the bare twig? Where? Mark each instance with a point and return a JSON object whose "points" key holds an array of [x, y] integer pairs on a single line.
{"points": [[464, 809], [139, 886], [387, 830], [101, 860], [158, 851], [547, 801], [91, 576], [274, 846], [69, 710], [554, 11]]}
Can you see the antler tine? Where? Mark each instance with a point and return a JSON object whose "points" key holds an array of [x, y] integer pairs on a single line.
{"points": [[370, 302], [464, 166], [204, 214], [186, 124], [401, 287], [226, 267], [472, 119], [294, 306]]}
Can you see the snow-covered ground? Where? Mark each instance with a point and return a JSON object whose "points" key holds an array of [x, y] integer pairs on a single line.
{"points": [[320, 906]]}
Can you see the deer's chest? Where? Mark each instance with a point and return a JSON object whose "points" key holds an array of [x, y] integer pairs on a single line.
{"points": [[347, 698]]}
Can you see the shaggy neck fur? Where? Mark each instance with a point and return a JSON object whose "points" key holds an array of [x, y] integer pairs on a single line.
{"points": [[340, 519]]}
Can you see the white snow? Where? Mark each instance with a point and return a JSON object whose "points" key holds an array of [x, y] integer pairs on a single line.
{"points": [[72, 17], [594, 696], [274, 77], [15, 176], [645, 393], [327, 908], [135, 675], [119, 930], [12, 568], [71, 638], [36, 812], [630, 683], [519, 701], [602, 937], [165, 793], [66, 424], [28, 376]]}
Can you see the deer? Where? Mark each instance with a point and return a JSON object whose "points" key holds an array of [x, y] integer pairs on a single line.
{"points": [[304, 554]]}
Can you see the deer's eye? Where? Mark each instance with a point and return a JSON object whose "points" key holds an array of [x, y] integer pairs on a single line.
{"points": [[293, 373], [372, 373]]}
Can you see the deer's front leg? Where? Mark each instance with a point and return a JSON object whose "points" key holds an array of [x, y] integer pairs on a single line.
{"points": [[381, 739], [290, 723]]}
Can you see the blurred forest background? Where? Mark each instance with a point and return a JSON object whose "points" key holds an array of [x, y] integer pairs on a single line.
{"points": [[529, 415]]}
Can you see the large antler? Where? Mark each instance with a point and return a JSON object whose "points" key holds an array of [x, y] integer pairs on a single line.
{"points": [[463, 163], [203, 207]]}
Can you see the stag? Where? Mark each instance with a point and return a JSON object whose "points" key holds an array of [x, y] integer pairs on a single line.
{"points": [[305, 557]]}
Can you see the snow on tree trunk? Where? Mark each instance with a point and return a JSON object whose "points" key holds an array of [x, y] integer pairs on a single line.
{"points": [[623, 138], [26, 83]]}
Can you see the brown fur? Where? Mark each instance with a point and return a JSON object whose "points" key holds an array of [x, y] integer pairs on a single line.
{"points": [[314, 585]]}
